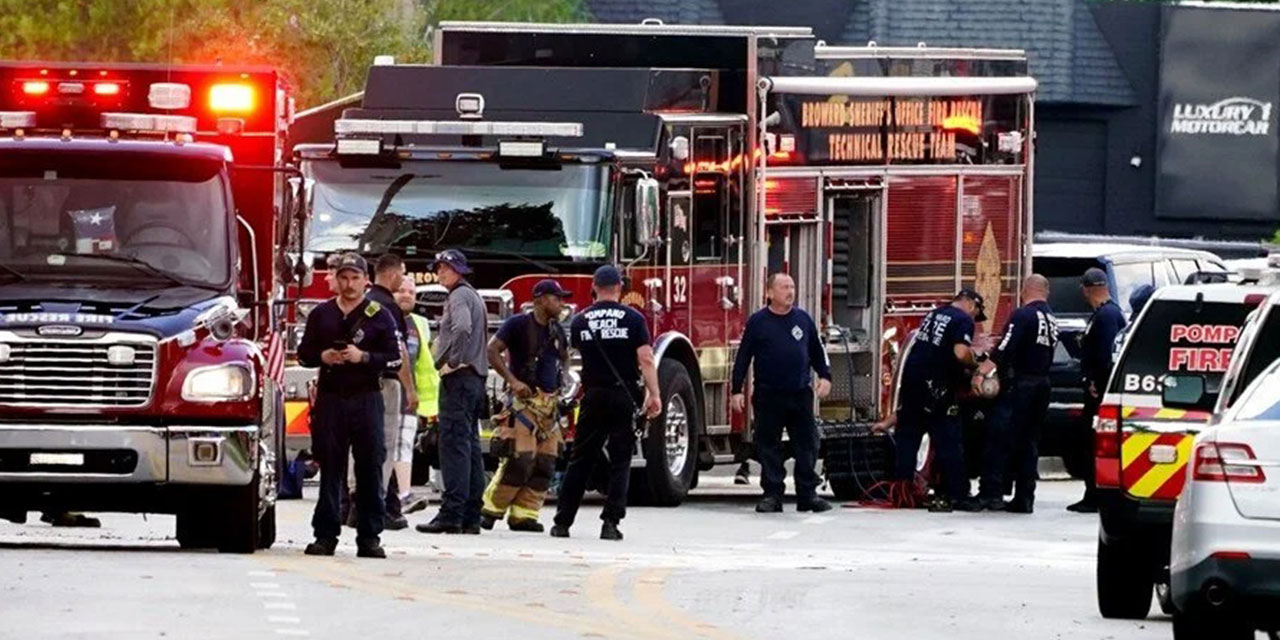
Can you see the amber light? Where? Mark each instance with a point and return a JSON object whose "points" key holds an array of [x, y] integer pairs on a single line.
{"points": [[962, 123], [231, 98], [35, 87]]}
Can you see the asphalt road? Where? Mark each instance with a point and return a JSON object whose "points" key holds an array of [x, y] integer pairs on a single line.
{"points": [[710, 569]]}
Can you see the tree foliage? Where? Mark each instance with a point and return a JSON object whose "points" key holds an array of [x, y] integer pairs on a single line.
{"points": [[323, 46]]}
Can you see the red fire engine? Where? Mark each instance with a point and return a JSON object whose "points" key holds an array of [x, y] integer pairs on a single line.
{"points": [[143, 219], [701, 158]]}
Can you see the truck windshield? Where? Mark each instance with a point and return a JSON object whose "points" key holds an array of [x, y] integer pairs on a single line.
{"points": [[83, 215], [424, 206]]}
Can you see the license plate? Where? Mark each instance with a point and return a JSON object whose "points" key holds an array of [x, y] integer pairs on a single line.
{"points": [[60, 459], [1163, 454]]}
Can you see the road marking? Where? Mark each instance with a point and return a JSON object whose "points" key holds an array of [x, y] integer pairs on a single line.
{"points": [[288, 606], [264, 585], [782, 535], [818, 520], [292, 632], [650, 592], [284, 619], [262, 574], [272, 594]]}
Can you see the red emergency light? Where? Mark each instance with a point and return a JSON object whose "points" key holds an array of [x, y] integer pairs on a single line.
{"points": [[231, 98]]}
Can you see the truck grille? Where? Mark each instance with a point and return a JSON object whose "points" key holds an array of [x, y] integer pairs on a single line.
{"points": [[49, 373]]}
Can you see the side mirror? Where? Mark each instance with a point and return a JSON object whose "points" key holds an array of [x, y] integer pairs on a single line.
{"points": [[1183, 391], [646, 208]]}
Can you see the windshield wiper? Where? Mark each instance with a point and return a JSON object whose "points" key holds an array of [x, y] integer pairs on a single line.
{"points": [[510, 254], [147, 267]]}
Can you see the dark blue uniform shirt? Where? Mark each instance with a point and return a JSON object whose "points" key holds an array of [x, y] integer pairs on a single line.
{"points": [[1098, 342], [608, 333], [785, 349], [932, 358], [1030, 337], [524, 337], [369, 326]]}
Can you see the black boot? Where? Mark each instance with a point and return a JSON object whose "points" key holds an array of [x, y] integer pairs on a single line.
{"points": [[769, 504], [370, 550], [322, 547], [609, 531], [814, 504], [558, 531]]}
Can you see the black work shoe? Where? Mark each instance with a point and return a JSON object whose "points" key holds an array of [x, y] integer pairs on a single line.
{"points": [[412, 503], [532, 526], [436, 526], [968, 505], [1019, 506], [373, 550], [609, 531], [322, 547], [1084, 506], [487, 522], [769, 504], [939, 505], [558, 531], [395, 524], [816, 505], [992, 504], [743, 475]]}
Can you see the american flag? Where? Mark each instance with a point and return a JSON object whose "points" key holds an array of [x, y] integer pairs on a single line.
{"points": [[95, 229], [275, 357]]}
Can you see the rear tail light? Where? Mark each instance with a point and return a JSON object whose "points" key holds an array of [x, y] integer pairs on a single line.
{"points": [[35, 87], [1231, 555], [106, 89], [1106, 432], [1226, 461]]}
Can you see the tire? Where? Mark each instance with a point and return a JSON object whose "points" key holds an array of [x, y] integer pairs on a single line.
{"points": [[267, 529], [197, 529], [239, 518], [1124, 582], [665, 481], [1197, 624]]}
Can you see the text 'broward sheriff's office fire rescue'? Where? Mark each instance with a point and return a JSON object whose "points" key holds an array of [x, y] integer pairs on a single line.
{"points": [[939, 119]]}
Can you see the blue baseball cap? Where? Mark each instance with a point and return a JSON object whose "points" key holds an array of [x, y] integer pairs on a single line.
{"points": [[454, 258], [550, 287], [350, 261], [607, 276]]}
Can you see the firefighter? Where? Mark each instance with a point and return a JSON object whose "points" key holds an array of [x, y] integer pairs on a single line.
{"points": [[530, 441], [1021, 359], [939, 362], [783, 342], [1097, 346], [354, 342], [614, 344]]}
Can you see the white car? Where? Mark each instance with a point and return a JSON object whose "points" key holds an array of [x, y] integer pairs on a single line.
{"points": [[1225, 563]]}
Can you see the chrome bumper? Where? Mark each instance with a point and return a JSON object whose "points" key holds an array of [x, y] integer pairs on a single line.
{"points": [[195, 455]]}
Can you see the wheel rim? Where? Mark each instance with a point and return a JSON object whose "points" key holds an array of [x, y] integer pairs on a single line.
{"points": [[676, 433]]}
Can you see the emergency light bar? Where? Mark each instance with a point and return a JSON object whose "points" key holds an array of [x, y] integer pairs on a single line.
{"points": [[169, 95], [17, 119], [149, 122], [455, 128]]}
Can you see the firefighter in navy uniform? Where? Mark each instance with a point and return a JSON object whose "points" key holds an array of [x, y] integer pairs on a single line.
{"points": [[939, 362], [1097, 350], [354, 342], [1021, 359]]}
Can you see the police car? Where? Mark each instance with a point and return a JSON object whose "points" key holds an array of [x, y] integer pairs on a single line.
{"points": [[1143, 445]]}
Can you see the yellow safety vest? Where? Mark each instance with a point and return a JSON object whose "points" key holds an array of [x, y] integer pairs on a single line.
{"points": [[426, 380]]}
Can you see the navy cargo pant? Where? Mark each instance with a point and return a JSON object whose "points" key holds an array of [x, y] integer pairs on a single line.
{"points": [[792, 411], [461, 462], [342, 423], [920, 413], [1014, 429], [605, 422]]}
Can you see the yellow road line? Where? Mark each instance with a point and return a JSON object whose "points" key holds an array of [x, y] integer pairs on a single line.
{"points": [[601, 589], [650, 593]]}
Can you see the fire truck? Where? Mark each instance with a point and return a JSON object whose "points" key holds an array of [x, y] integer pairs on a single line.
{"points": [[144, 212], [700, 159]]}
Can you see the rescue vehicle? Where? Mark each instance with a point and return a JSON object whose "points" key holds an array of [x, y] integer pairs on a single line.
{"points": [[700, 158], [1143, 441], [143, 223]]}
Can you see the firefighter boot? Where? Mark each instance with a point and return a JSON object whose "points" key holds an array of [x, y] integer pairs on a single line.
{"points": [[609, 531]]}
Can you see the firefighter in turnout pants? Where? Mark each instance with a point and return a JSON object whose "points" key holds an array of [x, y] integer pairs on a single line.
{"points": [[354, 342], [1021, 359], [528, 432], [614, 344], [784, 344]]}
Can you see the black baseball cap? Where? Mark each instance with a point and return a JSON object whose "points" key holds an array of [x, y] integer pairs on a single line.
{"points": [[607, 276], [1094, 277], [454, 258], [550, 287], [351, 261], [978, 301]]}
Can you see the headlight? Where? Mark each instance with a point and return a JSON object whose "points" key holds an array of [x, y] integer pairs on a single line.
{"points": [[219, 383]]}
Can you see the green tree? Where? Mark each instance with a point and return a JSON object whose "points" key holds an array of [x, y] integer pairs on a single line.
{"points": [[323, 47]]}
